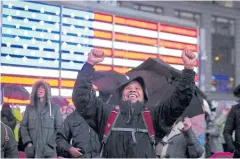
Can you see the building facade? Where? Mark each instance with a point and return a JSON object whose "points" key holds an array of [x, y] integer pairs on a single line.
{"points": [[219, 40]]}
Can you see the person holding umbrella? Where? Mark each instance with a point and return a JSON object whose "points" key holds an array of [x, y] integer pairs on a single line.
{"points": [[127, 130], [41, 121]]}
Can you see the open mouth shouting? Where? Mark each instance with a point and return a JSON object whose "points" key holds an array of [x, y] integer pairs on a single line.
{"points": [[132, 96], [133, 92]]}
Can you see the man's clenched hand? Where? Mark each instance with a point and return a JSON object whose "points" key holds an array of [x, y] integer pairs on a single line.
{"points": [[189, 59], [95, 57]]}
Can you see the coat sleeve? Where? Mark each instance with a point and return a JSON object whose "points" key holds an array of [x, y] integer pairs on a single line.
{"points": [[168, 112], [229, 128], [11, 146], [194, 148], [24, 128], [91, 108], [64, 136]]}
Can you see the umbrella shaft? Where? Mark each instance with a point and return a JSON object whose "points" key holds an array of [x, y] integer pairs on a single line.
{"points": [[109, 98]]}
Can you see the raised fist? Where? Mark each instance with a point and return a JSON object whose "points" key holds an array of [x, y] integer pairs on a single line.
{"points": [[187, 124], [95, 56], [189, 59]]}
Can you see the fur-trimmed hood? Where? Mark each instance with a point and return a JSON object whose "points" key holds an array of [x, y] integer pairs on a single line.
{"points": [[34, 98]]}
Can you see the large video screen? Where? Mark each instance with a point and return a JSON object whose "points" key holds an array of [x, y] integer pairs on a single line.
{"points": [[41, 41]]}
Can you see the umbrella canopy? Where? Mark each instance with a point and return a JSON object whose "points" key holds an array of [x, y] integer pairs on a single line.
{"points": [[107, 81], [159, 67], [59, 101], [15, 91]]}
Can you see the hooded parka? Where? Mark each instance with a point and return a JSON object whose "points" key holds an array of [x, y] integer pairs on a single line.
{"points": [[41, 122], [121, 144]]}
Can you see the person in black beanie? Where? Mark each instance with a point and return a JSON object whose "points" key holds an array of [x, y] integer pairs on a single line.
{"points": [[233, 124]]}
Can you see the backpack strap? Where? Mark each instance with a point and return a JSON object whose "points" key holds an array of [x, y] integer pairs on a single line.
{"points": [[147, 118], [110, 124], [112, 121]]}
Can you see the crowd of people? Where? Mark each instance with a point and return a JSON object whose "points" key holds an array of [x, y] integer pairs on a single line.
{"points": [[129, 129]]}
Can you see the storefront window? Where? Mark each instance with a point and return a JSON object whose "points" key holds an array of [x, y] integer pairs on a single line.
{"points": [[223, 26]]}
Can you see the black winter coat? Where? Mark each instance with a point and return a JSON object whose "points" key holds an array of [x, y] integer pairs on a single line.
{"points": [[120, 144], [233, 123], [83, 136]]}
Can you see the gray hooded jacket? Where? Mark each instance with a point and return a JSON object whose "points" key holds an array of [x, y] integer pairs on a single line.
{"points": [[40, 124]]}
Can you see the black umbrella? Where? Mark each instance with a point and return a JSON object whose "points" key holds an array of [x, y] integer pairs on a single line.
{"points": [[107, 83], [159, 67], [15, 91]]}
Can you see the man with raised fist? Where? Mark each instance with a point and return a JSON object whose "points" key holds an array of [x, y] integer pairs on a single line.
{"points": [[128, 130]]}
